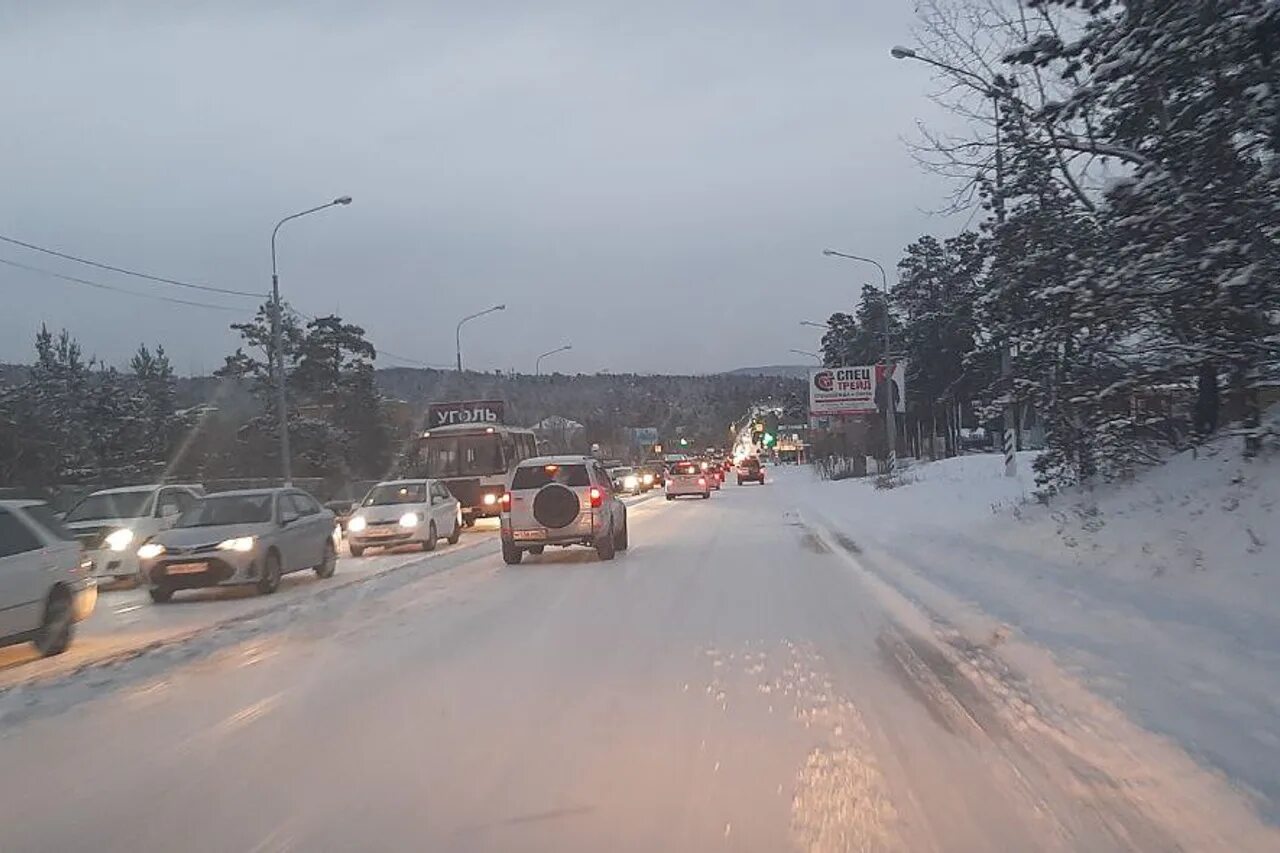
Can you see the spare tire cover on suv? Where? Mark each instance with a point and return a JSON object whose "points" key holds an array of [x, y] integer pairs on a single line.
{"points": [[555, 506]]}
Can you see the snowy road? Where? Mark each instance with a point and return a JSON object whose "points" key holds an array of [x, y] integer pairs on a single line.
{"points": [[731, 683]]}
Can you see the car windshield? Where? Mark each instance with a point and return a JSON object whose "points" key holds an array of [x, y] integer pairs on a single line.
{"points": [[537, 476], [620, 472], [113, 505], [42, 515], [227, 509], [386, 494]]}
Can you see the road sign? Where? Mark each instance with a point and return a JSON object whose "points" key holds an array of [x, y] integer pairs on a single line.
{"points": [[481, 412]]}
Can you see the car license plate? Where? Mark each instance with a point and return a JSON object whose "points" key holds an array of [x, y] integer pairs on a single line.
{"points": [[379, 531], [185, 568], [529, 534]]}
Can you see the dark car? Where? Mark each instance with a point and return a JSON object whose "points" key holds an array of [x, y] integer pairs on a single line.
{"points": [[750, 471]]}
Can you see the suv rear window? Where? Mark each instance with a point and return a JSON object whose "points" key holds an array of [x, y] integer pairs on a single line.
{"points": [[685, 468], [537, 476]]}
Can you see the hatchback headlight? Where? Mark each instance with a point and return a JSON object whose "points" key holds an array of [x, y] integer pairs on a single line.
{"points": [[357, 523], [118, 540], [150, 551], [240, 543], [409, 519]]}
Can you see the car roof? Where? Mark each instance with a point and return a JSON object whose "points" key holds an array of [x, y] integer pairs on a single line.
{"points": [[412, 481], [149, 487], [253, 493], [555, 460]]}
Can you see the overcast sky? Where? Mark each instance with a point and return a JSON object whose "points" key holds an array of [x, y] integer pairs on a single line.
{"points": [[652, 182]]}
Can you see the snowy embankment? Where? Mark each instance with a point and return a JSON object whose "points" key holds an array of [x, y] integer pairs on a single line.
{"points": [[1162, 594]]}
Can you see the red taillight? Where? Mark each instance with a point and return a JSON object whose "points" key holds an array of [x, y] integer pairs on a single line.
{"points": [[505, 502], [597, 496], [702, 481]]}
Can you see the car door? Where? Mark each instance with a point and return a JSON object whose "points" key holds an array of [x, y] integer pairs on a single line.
{"points": [[313, 529], [288, 532], [26, 567], [444, 508]]}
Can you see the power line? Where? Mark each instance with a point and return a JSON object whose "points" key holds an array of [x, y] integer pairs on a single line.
{"points": [[123, 271], [99, 285]]}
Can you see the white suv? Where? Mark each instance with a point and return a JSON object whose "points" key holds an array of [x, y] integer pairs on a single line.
{"points": [[113, 523], [561, 500]]}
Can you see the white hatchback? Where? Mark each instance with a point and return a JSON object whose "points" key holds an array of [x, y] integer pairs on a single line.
{"points": [[405, 512], [687, 478]]}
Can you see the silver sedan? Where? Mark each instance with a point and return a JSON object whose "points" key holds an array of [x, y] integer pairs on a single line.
{"points": [[249, 537]]}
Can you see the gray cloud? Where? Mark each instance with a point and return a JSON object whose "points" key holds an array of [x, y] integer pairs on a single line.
{"points": [[652, 181]]}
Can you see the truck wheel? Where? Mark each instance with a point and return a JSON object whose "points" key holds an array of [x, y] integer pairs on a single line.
{"points": [[537, 550], [161, 594], [356, 550], [511, 555]]}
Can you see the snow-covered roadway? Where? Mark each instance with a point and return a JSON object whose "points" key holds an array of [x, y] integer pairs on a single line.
{"points": [[733, 682]]}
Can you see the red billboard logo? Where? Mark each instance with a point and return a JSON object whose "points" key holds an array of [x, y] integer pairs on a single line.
{"points": [[824, 381]]}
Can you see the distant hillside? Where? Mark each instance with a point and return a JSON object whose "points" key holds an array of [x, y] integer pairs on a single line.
{"points": [[787, 371]]}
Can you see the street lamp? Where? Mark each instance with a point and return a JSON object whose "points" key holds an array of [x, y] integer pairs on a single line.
{"points": [[277, 338], [537, 365], [889, 415], [457, 337], [812, 355], [992, 91]]}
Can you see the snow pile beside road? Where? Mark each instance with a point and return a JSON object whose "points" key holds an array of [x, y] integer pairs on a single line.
{"points": [[1162, 594]]}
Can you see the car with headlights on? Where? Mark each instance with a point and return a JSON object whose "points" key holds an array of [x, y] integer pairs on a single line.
{"points": [[246, 537], [653, 475], [626, 481], [110, 524], [405, 512], [561, 501], [686, 479], [45, 587]]}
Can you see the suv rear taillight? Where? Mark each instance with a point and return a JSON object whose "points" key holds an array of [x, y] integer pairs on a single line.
{"points": [[702, 481], [597, 497], [504, 502]]}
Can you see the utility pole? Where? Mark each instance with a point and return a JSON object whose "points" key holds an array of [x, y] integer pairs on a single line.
{"points": [[277, 341], [992, 91], [890, 415]]}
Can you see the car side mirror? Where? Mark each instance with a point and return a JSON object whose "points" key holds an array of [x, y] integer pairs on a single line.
{"points": [[286, 520]]}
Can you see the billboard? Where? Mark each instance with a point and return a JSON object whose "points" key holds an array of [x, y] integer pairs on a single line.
{"points": [[857, 390], [480, 412], [642, 436]]}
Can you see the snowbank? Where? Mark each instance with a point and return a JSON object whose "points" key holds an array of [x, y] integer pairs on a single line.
{"points": [[1162, 594]]}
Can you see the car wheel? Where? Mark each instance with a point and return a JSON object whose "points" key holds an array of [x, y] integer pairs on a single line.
{"points": [[511, 555], [54, 634], [161, 594], [356, 550], [432, 537], [706, 496], [671, 497], [536, 550], [270, 580], [329, 563], [469, 521], [739, 481], [457, 532], [622, 544], [605, 546]]}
